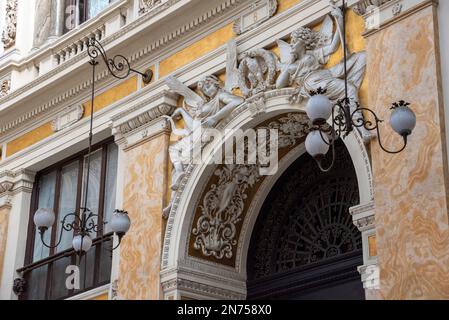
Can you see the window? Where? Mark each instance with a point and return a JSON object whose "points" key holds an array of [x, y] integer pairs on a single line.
{"points": [[79, 11], [60, 187]]}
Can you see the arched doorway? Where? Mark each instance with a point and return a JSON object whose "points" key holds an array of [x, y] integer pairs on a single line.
{"points": [[304, 244]]}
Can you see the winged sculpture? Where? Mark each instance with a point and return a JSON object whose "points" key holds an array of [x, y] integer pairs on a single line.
{"points": [[214, 104]]}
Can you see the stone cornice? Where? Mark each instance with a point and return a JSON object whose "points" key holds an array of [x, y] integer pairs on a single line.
{"points": [[363, 216]]}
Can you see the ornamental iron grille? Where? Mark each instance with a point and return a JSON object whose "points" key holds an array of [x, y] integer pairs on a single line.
{"points": [[305, 220]]}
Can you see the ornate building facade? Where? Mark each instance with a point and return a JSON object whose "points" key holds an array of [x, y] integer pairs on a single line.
{"points": [[376, 226]]}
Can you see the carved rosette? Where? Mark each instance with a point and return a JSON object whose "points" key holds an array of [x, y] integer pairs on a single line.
{"points": [[9, 33]]}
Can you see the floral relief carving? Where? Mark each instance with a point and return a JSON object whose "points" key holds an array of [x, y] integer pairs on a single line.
{"points": [[223, 205], [9, 33], [222, 209]]}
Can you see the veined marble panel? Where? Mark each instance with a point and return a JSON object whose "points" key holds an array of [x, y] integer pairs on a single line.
{"points": [[144, 192], [410, 187]]}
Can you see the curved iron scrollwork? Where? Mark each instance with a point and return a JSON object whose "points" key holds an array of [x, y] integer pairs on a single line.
{"points": [[118, 66], [82, 224], [305, 219]]}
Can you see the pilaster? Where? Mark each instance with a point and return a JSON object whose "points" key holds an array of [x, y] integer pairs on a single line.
{"points": [[411, 188], [143, 137], [14, 215]]}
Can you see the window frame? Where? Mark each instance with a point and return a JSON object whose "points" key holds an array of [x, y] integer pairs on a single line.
{"points": [[29, 264]]}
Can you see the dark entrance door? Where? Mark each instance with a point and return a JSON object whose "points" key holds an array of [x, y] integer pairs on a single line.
{"points": [[304, 245]]}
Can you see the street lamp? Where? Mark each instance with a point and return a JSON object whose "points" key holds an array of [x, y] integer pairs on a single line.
{"points": [[322, 136], [84, 222]]}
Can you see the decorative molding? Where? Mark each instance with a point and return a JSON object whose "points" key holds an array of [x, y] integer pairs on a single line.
{"points": [[366, 6], [145, 118], [256, 14], [370, 276], [202, 289], [9, 32], [6, 186], [397, 9], [363, 216], [67, 117]]}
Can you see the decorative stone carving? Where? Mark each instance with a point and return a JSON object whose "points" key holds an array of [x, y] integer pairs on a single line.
{"points": [[365, 6], [67, 117], [304, 58], [147, 5], [216, 104], [6, 186], [257, 71], [397, 9], [257, 13], [5, 87], [19, 286], [9, 33], [114, 290], [198, 288], [222, 209], [222, 206]]}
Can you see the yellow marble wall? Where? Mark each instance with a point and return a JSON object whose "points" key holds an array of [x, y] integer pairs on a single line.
{"points": [[28, 139], [410, 188], [4, 220], [140, 252]]}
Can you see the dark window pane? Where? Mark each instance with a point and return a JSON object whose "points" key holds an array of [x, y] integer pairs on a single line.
{"points": [[94, 184], [37, 283], [105, 262], [47, 185], [67, 202], [87, 268], [58, 279]]}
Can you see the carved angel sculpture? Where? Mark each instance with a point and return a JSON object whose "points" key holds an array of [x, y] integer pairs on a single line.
{"points": [[215, 104], [303, 60]]}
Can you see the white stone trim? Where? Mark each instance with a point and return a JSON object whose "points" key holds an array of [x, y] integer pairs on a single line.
{"points": [[91, 294]]}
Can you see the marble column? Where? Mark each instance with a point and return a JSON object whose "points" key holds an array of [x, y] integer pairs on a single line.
{"points": [[411, 188], [143, 138]]}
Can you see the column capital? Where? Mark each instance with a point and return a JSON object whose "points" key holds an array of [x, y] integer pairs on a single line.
{"points": [[381, 13], [144, 121]]}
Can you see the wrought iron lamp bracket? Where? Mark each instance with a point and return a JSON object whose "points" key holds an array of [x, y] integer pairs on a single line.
{"points": [[118, 66]]}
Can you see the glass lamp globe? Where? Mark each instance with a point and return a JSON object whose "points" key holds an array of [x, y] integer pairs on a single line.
{"points": [[319, 109], [403, 120], [82, 243], [44, 218], [315, 145], [120, 222]]}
